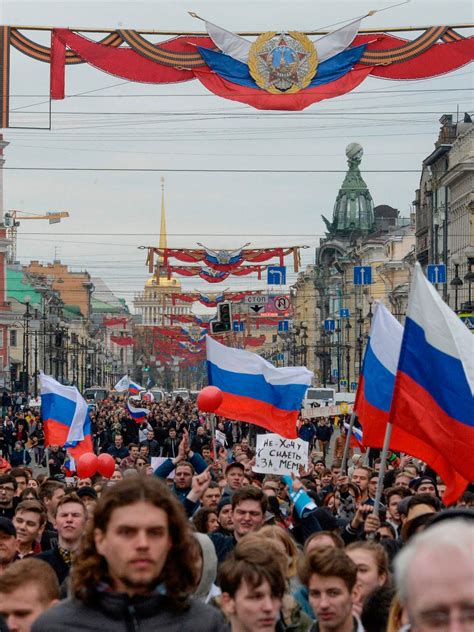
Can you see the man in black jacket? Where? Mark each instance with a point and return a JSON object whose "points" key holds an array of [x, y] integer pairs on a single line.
{"points": [[138, 568]]}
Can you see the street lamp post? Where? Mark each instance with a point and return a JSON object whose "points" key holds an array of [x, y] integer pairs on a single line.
{"points": [[26, 345], [469, 278], [456, 282]]}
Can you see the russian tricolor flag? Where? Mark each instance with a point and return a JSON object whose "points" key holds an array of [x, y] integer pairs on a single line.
{"points": [[434, 390], [254, 390], [138, 414], [134, 389], [377, 381], [65, 415]]}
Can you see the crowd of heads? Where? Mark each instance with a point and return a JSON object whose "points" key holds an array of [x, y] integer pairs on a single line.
{"points": [[183, 518]]}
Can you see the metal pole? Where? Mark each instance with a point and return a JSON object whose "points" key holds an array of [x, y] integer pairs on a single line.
{"points": [[346, 445], [378, 493], [36, 364]]}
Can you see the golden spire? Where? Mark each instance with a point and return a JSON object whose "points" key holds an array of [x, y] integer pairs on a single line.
{"points": [[163, 237]]}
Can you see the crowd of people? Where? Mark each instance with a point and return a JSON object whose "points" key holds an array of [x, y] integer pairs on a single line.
{"points": [[186, 536]]}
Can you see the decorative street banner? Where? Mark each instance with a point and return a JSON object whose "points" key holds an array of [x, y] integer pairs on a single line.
{"points": [[223, 260], [276, 455], [209, 299], [214, 276], [275, 71]]}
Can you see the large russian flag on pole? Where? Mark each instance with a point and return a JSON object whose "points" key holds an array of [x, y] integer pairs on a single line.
{"points": [[65, 415], [376, 384], [254, 390], [433, 397]]}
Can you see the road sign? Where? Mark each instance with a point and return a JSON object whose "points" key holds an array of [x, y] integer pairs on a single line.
{"points": [[353, 386], [344, 312], [276, 275], [256, 299], [283, 325], [256, 308], [282, 303], [362, 275], [343, 383], [468, 320], [237, 325], [436, 273], [335, 372], [329, 324], [281, 356]]}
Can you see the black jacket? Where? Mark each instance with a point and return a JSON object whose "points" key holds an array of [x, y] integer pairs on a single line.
{"points": [[117, 612], [55, 560]]}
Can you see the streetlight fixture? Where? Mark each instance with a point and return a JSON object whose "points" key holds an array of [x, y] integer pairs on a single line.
{"points": [[456, 281], [26, 345], [469, 279]]}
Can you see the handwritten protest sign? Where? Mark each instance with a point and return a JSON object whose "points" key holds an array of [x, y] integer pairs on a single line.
{"points": [[276, 455], [220, 438]]}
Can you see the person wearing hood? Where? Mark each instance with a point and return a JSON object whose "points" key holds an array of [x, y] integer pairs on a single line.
{"points": [[207, 569]]}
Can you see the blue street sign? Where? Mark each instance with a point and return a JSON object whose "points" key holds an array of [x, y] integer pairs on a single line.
{"points": [[280, 356], [335, 372], [344, 312], [362, 275], [237, 325], [276, 275], [329, 324], [343, 382], [436, 273], [353, 386], [283, 325]]}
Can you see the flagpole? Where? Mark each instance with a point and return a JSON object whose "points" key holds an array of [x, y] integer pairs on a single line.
{"points": [[346, 445], [378, 493]]}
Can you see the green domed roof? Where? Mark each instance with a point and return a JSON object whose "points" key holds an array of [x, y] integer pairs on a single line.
{"points": [[354, 207]]}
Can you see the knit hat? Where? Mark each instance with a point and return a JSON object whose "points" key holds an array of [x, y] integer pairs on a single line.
{"points": [[224, 501], [416, 482]]}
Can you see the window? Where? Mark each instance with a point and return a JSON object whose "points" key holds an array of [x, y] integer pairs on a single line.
{"points": [[13, 337], [1, 337]]}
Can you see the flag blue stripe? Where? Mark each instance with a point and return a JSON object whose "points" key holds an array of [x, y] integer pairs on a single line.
{"points": [[284, 396], [378, 382], [57, 407], [440, 374]]}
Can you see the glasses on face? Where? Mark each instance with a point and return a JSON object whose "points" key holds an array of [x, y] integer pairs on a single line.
{"points": [[441, 618]]}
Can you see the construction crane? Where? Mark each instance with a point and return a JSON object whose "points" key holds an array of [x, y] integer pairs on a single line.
{"points": [[11, 223]]}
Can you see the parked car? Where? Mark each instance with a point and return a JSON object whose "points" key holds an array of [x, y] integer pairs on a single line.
{"points": [[95, 393]]}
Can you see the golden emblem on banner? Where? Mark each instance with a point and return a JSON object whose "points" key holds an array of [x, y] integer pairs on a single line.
{"points": [[283, 63]]}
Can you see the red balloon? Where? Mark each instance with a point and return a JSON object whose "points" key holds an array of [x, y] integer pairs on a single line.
{"points": [[105, 465], [209, 399], [86, 465]]}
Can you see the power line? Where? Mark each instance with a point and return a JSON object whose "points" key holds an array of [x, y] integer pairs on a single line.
{"points": [[200, 170]]}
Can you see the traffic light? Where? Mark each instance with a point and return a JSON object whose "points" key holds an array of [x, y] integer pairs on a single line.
{"points": [[223, 322]]}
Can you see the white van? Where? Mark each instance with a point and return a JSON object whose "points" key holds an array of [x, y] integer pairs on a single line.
{"points": [[319, 396]]}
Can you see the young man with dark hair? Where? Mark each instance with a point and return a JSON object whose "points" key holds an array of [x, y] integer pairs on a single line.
{"points": [[330, 577], [253, 584], [249, 505], [137, 569], [29, 521], [211, 496], [71, 519], [8, 500], [22, 477], [27, 589], [50, 493]]}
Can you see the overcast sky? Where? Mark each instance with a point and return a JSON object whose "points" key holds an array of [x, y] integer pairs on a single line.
{"points": [[108, 122]]}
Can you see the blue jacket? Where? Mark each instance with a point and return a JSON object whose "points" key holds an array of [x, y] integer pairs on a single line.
{"points": [[168, 466]]}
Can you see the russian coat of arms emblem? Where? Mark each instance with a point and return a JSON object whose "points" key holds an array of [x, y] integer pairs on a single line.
{"points": [[283, 63]]}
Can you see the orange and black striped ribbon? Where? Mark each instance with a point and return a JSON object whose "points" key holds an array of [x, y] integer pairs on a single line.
{"points": [[5, 75]]}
